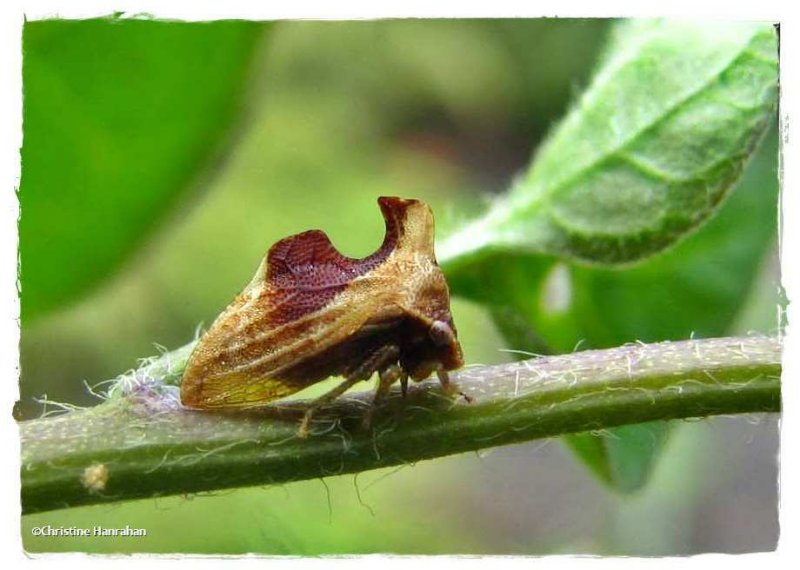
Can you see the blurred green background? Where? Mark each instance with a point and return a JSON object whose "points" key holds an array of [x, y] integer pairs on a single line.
{"points": [[183, 151]]}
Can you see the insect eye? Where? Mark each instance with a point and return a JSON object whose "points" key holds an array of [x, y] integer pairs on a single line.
{"points": [[441, 334]]}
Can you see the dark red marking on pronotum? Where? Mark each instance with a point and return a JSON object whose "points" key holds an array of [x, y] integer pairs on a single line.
{"points": [[310, 313]]}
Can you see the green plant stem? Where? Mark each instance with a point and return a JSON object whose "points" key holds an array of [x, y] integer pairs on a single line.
{"points": [[152, 447]]}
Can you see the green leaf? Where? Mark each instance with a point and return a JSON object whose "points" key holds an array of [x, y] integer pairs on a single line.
{"points": [[119, 117], [624, 456], [646, 155], [696, 288]]}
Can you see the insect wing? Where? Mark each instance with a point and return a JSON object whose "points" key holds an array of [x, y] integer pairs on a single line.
{"points": [[304, 299]]}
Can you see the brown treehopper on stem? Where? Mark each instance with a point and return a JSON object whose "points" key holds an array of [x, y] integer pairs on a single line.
{"points": [[310, 313]]}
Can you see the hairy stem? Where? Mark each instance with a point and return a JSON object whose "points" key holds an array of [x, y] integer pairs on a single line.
{"points": [[140, 442]]}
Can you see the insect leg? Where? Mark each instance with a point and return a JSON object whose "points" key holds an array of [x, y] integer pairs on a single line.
{"points": [[444, 379], [384, 360], [387, 377], [321, 401], [375, 361], [449, 387]]}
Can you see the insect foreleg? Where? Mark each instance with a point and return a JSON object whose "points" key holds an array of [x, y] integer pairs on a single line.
{"points": [[449, 387]]}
